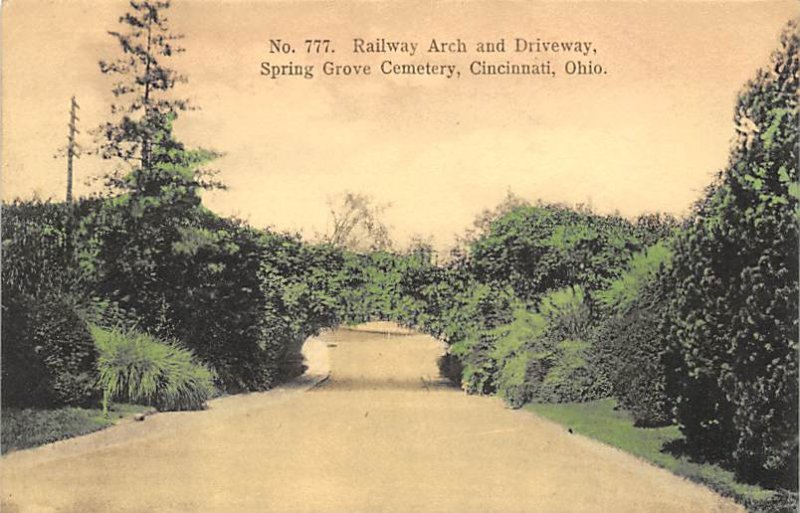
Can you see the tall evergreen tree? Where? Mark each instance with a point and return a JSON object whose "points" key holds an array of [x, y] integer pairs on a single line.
{"points": [[733, 355], [140, 131], [138, 232]]}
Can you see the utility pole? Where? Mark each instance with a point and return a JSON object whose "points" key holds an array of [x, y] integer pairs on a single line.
{"points": [[72, 149]]}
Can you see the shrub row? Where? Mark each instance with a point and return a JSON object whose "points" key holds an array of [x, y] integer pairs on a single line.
{"points": [[694, 324]]}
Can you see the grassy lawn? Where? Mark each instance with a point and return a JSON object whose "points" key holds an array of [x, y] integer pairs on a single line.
{"points": [[599, 420], [21, 429]]}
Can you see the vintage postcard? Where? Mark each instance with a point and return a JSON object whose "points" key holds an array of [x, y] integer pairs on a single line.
{"points": [[415, 256]]}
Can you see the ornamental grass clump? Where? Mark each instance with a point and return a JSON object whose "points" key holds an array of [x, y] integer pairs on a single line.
{"points": [[137, 368]]}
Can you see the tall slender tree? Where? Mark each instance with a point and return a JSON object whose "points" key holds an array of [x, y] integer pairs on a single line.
{"points": [[140, 131], [141, 233]]}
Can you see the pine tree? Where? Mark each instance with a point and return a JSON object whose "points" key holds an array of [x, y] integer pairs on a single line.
{"points": [[140, 133]]}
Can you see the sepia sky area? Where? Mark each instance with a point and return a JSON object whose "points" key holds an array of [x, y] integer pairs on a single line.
{"points": [[648, 136]]}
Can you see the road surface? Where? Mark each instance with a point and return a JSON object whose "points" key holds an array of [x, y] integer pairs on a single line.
{"points": [[381, 434]]}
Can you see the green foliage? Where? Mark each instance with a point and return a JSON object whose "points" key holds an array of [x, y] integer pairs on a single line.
{"points": [[450, 367], [733, 346], [243, 300], [145, 104], [219, 306], [135, 243], [48, 358], [571, 378], [521, 359], [297, 289], [539, 248], [513, 311], [622, 293], [478, 312], [137, 368], [39, 247], [546, 303], [629, 352]]}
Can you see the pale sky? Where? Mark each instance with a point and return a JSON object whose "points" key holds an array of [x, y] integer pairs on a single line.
{"points": [[648, 136]]}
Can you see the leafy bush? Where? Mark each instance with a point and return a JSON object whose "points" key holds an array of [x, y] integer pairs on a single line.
{"points": [[629, 350], [623, 293], [545, 355], [479, 368], [630, 343], [450, 367], [523, 362], [48, 356], [571, 375], [40, 246], [782, 501], [479, 311], [572, 378], [136, 367], [243, 300]]}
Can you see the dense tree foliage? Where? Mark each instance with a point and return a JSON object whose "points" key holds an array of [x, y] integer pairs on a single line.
{"points": [[538, 248], [243, 300]]}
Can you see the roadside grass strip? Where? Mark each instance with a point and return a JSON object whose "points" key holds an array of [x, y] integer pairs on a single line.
{"points": [[601, 421], [26, 428]]}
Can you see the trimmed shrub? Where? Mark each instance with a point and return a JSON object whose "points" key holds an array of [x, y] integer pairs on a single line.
{"points": [[629, 350], [48, 356], [629, 344], [136, 367]]}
